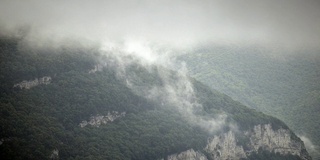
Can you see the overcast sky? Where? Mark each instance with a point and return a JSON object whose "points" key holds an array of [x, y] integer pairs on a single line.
{"points": [[291, 23]]}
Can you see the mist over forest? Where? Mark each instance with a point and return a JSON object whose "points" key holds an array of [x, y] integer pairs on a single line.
{"points": [[154, 56]]}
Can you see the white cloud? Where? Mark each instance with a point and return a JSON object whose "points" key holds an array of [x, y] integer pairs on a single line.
{"points": [[309, 145], [290, 23]]}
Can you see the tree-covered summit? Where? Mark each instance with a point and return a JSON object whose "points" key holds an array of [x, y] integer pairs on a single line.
{"points": [[163, 116]]}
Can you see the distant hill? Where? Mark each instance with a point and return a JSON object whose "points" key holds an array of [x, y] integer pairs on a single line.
{"points": [[284, 85], [79, 103]]}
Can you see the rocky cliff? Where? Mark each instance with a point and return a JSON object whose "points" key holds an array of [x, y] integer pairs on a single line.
{"points": [[189, 154], [278, 141], [228, 146], [225, 147], [97, 120], [32, 83]]}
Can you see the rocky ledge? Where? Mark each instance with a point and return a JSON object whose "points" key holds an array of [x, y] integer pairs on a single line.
{"points": [[228, 146], [97, 120], [32, 83]]}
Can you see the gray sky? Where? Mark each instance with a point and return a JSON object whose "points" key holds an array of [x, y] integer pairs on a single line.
{"points": [[289, 23]]}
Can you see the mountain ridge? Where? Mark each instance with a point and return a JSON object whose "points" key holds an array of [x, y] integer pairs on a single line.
{"points": [[166, 111], [277, 82]]}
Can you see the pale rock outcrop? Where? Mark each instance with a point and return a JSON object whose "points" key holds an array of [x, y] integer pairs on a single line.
{"points": [[188, 155], [224, 146], [32, 83], [96, 68], [278, 141], [99, 119], [54, 154]]}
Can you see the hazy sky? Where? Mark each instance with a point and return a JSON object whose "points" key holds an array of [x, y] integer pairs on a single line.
{"points": [[291, 23]]}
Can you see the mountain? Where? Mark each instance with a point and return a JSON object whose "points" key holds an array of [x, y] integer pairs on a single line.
{"points": [[76, 102], [282, 84]]}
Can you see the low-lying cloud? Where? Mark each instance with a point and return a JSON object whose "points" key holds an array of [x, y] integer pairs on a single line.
{"points": [[175, 91], [181, 23], [313, 149], [152, 30]]}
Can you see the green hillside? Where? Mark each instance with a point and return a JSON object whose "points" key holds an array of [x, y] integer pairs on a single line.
{"points": [[44, 122], [284, 85]]}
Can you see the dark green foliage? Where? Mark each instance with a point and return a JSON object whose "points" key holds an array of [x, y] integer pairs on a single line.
{"points": [[36, 121]]}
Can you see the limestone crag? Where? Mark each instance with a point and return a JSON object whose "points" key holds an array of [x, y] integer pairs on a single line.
{"points": [[188, 155], [226, 146], [99, 119], [32, 83], [96, 68], [278, 141], [54, 154]]}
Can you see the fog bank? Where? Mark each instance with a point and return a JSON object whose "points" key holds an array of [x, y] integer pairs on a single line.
{"points": [[181, 23]]}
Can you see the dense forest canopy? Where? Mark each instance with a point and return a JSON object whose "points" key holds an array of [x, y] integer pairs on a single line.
{"points": [[79, 77], [37, 122]]}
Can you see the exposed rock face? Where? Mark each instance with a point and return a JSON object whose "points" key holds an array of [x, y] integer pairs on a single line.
{"points": [[188, 155], [98, 119], [96, 68], [225, 146], [277, 141], [32, 83], [54, 154]]}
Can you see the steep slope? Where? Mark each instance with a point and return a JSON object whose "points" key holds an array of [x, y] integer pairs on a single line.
{"points": [[79, 103], [284, 85]]}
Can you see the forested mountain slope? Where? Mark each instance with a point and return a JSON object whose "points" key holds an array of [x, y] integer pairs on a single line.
{"points": [[283, 84], [81, 103]]}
